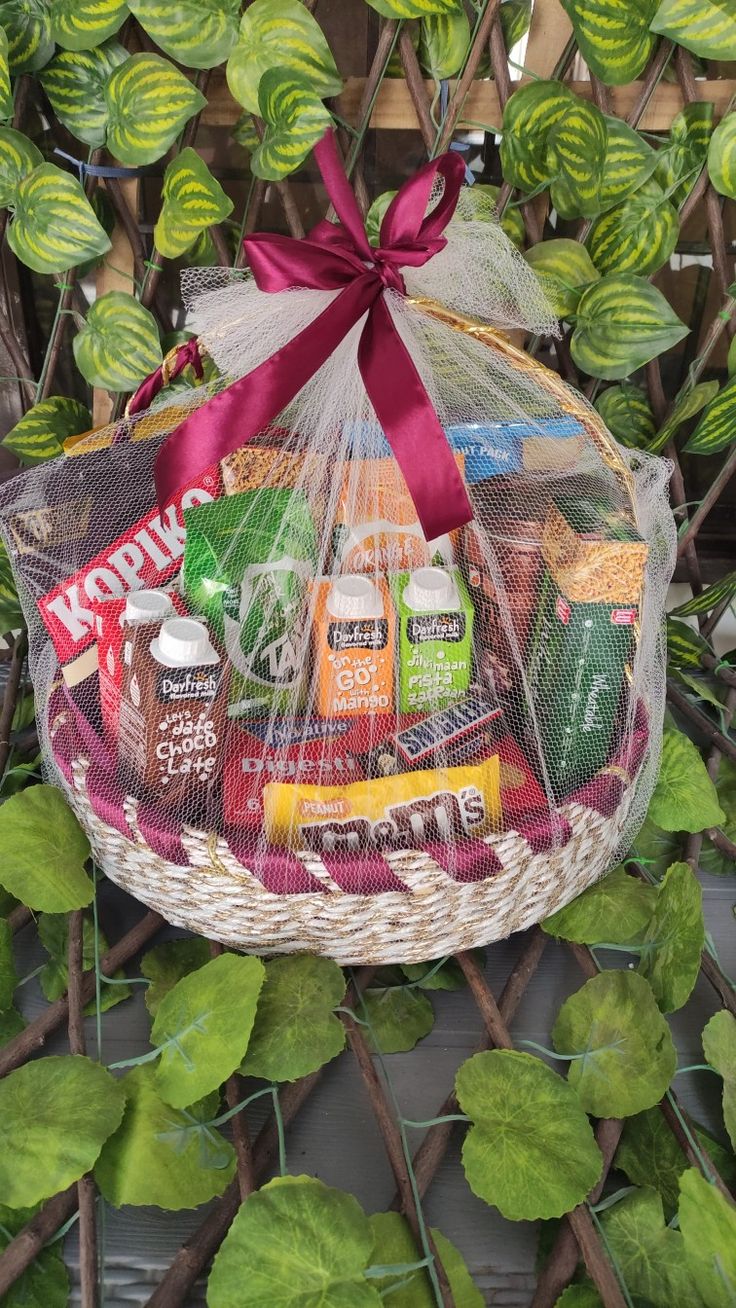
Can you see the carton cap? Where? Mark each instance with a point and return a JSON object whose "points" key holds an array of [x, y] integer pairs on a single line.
{"points": [[354, 597], [147, 605], [182, 642], [430, 590]]}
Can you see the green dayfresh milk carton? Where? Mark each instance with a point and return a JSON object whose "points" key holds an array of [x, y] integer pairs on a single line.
{"points": [[435, 638]]}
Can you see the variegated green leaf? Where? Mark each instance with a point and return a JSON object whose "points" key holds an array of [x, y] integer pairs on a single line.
{"points": [[707, 27], [27, 26], [18, 158], [395, 67], [479, 205], [148, 102], [413, 8], [613, 36], [564, 268], [722, 156], [731, 358], [375, 216], [84, 24], [6, 90], [75, 82], [105, 215], [637, 236], [685, 646], [622, 322], [576, 148], [119, 345], [443, 43], [681, 159], [691, 403], [192, 201], [628, 163], [197, 33], [11, 615], [627, 414], [529, 116], [717, 427], [719, 593], [295, 119], [245, 134], [54, 225], [280, 33], [41, 432], [516, 17]]}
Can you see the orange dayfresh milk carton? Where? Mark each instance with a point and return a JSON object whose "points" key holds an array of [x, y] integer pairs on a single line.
{"points": [[353, 637]]}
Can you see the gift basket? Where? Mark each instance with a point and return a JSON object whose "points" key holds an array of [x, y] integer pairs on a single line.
{"points": [[357, 649]]}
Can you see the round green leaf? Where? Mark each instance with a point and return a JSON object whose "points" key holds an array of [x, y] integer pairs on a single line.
{"points": [[148, 103], [708, 1225], [75, 82], [302, 1244], [18, 158], [55, 1115], [203, 1026], [395, 1247], [531, 1151], [295, 119], [399, 1018], [616, 909], [6, 89], [54, 225], [140, 1164], [628, 163], [713, 860], [280, 33], [84, 24], [652, 1259], [119, 345], [622, 323], [295, 1030], [684, 798], [27, 26], [716, 429], [576, 148], [412, 8], [8, 974], [516, 17], [45, 1283], [43, 851], [564, 268], [674, 939], [443, 43], [11, 615], [428, 976], [529, 116], [41, 432], [197, 33], [707, 27], [479, 203], [627, 1055], [583, 1295], [626, 411], [166, 964], [192, 201], [719, 1047], [245, 134], [53, 932], [637, 236], [613, 35], [649, 1155], [682, 158]]}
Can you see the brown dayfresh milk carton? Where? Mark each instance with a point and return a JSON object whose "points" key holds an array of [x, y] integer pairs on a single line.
{"points": [[113, 620]]}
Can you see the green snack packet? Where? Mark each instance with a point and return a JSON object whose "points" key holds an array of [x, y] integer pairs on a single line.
{"points": [[435, 638], [248, 560]]}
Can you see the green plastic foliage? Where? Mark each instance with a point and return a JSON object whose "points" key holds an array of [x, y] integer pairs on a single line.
{"points": [[53, 932], [516, 17], [6, 89], [197, 33], [18, 158], [674, 939], [479, 203], [449, 976], [712, 859], [685, 645], [530, 1151], [27, 26], [8, 974], [720, 592], [295, 119], [583, 1295], [166, 964], [707, 27], [576, 150], [43, 851], [686, 407], [295, 1029], [627, 413], [137, 1166], [717, 427], [637, 236], [719, 1047], [41, 432], [680, 161], [443, 43], [616, 909], [10, 610], [119, 345], [627, 1055], [708, 1225], [75, 82], [564, 268], [395, 1247], [649, 1155], [685, 798], [54, 225], [413, 8], [11, 1024], [45, 1283], [193, 200], [148, 102], [622, 323], [528, 118], [55, 1115], [295, 1243], [652, 1259], [629, 162], [280, 33], [399, 1018], [204, 1024], [83, 24], [613, 35], [722, 157]]}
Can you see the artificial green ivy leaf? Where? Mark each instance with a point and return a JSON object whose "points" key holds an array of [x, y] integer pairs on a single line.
{"points": [[399, 1018], [55, 1115], [649, 1155], [166, 964], [707, 27], [18, 158], [443, 42], [75, 83], [302, 1243], [54, 225], [245, 134], [8, 974], [479, 203], [283, 33], [528, 118], [700, 686], [722, 157], [11, 1024], [6, 88], [53, 932], [203, 1026], [27, 26], [516, 17], [656, 848], [579, 1296], [83, 24], [530, 1151], [627, 413], [622, 323], [192, 201], [148, 103], [139, 1164], [295, 1029], [564, 268], [627, 1055], [711, 859], [428, 976], [720, 592], [637, 236], [197, 33], [684, 798], [412, 8], [41, 432], [613, 35], [685, 645], [628, 163], [708, 1225], [681, 159], [616, 909], [43, 851], [652, 1258], [295, 120], [119, 345], [686, 407], [719, 1047], [715, 431], [674, 939], [45, 1283], [576, 150], [394, 1246], [11, 614]]}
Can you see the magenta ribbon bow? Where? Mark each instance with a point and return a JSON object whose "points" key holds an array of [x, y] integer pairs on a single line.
{"points": [[339, 257]]}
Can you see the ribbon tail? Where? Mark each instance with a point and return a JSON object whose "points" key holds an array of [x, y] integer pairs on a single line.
{"points": [[412, 427]]}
